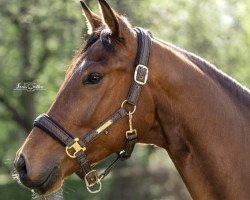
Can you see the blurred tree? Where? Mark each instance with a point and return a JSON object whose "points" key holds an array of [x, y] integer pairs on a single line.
{"points": [[29, 43], [29, 28]]}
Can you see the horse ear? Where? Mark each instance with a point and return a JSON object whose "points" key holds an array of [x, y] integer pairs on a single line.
{"points": [[93, 20], [110, 18]]}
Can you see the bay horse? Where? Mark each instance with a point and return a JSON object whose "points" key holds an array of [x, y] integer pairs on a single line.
{"points": [[186, 106]]}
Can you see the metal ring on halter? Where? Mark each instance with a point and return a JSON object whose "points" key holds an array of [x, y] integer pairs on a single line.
{"points": [[99, 185], [127, 112]]}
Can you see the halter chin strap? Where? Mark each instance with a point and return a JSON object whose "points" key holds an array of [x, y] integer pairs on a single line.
{"points": [[75, 147]]}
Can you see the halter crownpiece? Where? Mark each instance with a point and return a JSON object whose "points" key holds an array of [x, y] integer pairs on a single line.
{"points": [[75, 147]]}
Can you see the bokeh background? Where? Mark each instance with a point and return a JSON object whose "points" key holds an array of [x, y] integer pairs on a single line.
{"points": [[37, 41]]}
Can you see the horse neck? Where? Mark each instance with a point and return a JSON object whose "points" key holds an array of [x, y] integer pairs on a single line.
{"points": [[205, 130]]}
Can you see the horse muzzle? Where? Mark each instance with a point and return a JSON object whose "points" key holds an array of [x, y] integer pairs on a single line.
{"points": [[41, 183]]}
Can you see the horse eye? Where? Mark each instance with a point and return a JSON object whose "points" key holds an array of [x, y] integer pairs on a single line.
{"points": [[93, 78]]}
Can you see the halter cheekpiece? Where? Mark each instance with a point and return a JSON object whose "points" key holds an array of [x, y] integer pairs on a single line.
{"points": [[75, 147]]}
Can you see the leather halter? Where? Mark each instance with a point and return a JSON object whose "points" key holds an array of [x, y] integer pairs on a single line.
{"points": [[75, 147]]}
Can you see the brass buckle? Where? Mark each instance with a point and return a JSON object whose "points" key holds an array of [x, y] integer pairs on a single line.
{"points": [[136, 72], [76, 146], [96, 182]]}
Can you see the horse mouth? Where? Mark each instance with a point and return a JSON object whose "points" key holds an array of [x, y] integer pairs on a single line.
{"points": [[48, 183]]}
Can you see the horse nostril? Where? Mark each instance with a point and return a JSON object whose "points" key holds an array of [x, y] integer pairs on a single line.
{"points": [[20, 166]]}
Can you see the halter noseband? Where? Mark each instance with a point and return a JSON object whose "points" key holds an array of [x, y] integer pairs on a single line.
{"points": [[75, 147]]}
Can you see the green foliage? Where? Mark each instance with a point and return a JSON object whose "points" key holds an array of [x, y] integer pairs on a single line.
{"points": [[215, 30], [38, 39]]}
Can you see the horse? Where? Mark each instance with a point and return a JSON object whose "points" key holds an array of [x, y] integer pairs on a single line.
{"points": [[186, 106]]}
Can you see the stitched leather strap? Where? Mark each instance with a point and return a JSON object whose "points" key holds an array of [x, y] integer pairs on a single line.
{"points": [[51, 127], [104, 126], [142, 58], [91, 178]]}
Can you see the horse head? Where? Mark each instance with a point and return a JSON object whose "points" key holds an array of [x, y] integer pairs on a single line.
{"points": [[95, 85]]}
